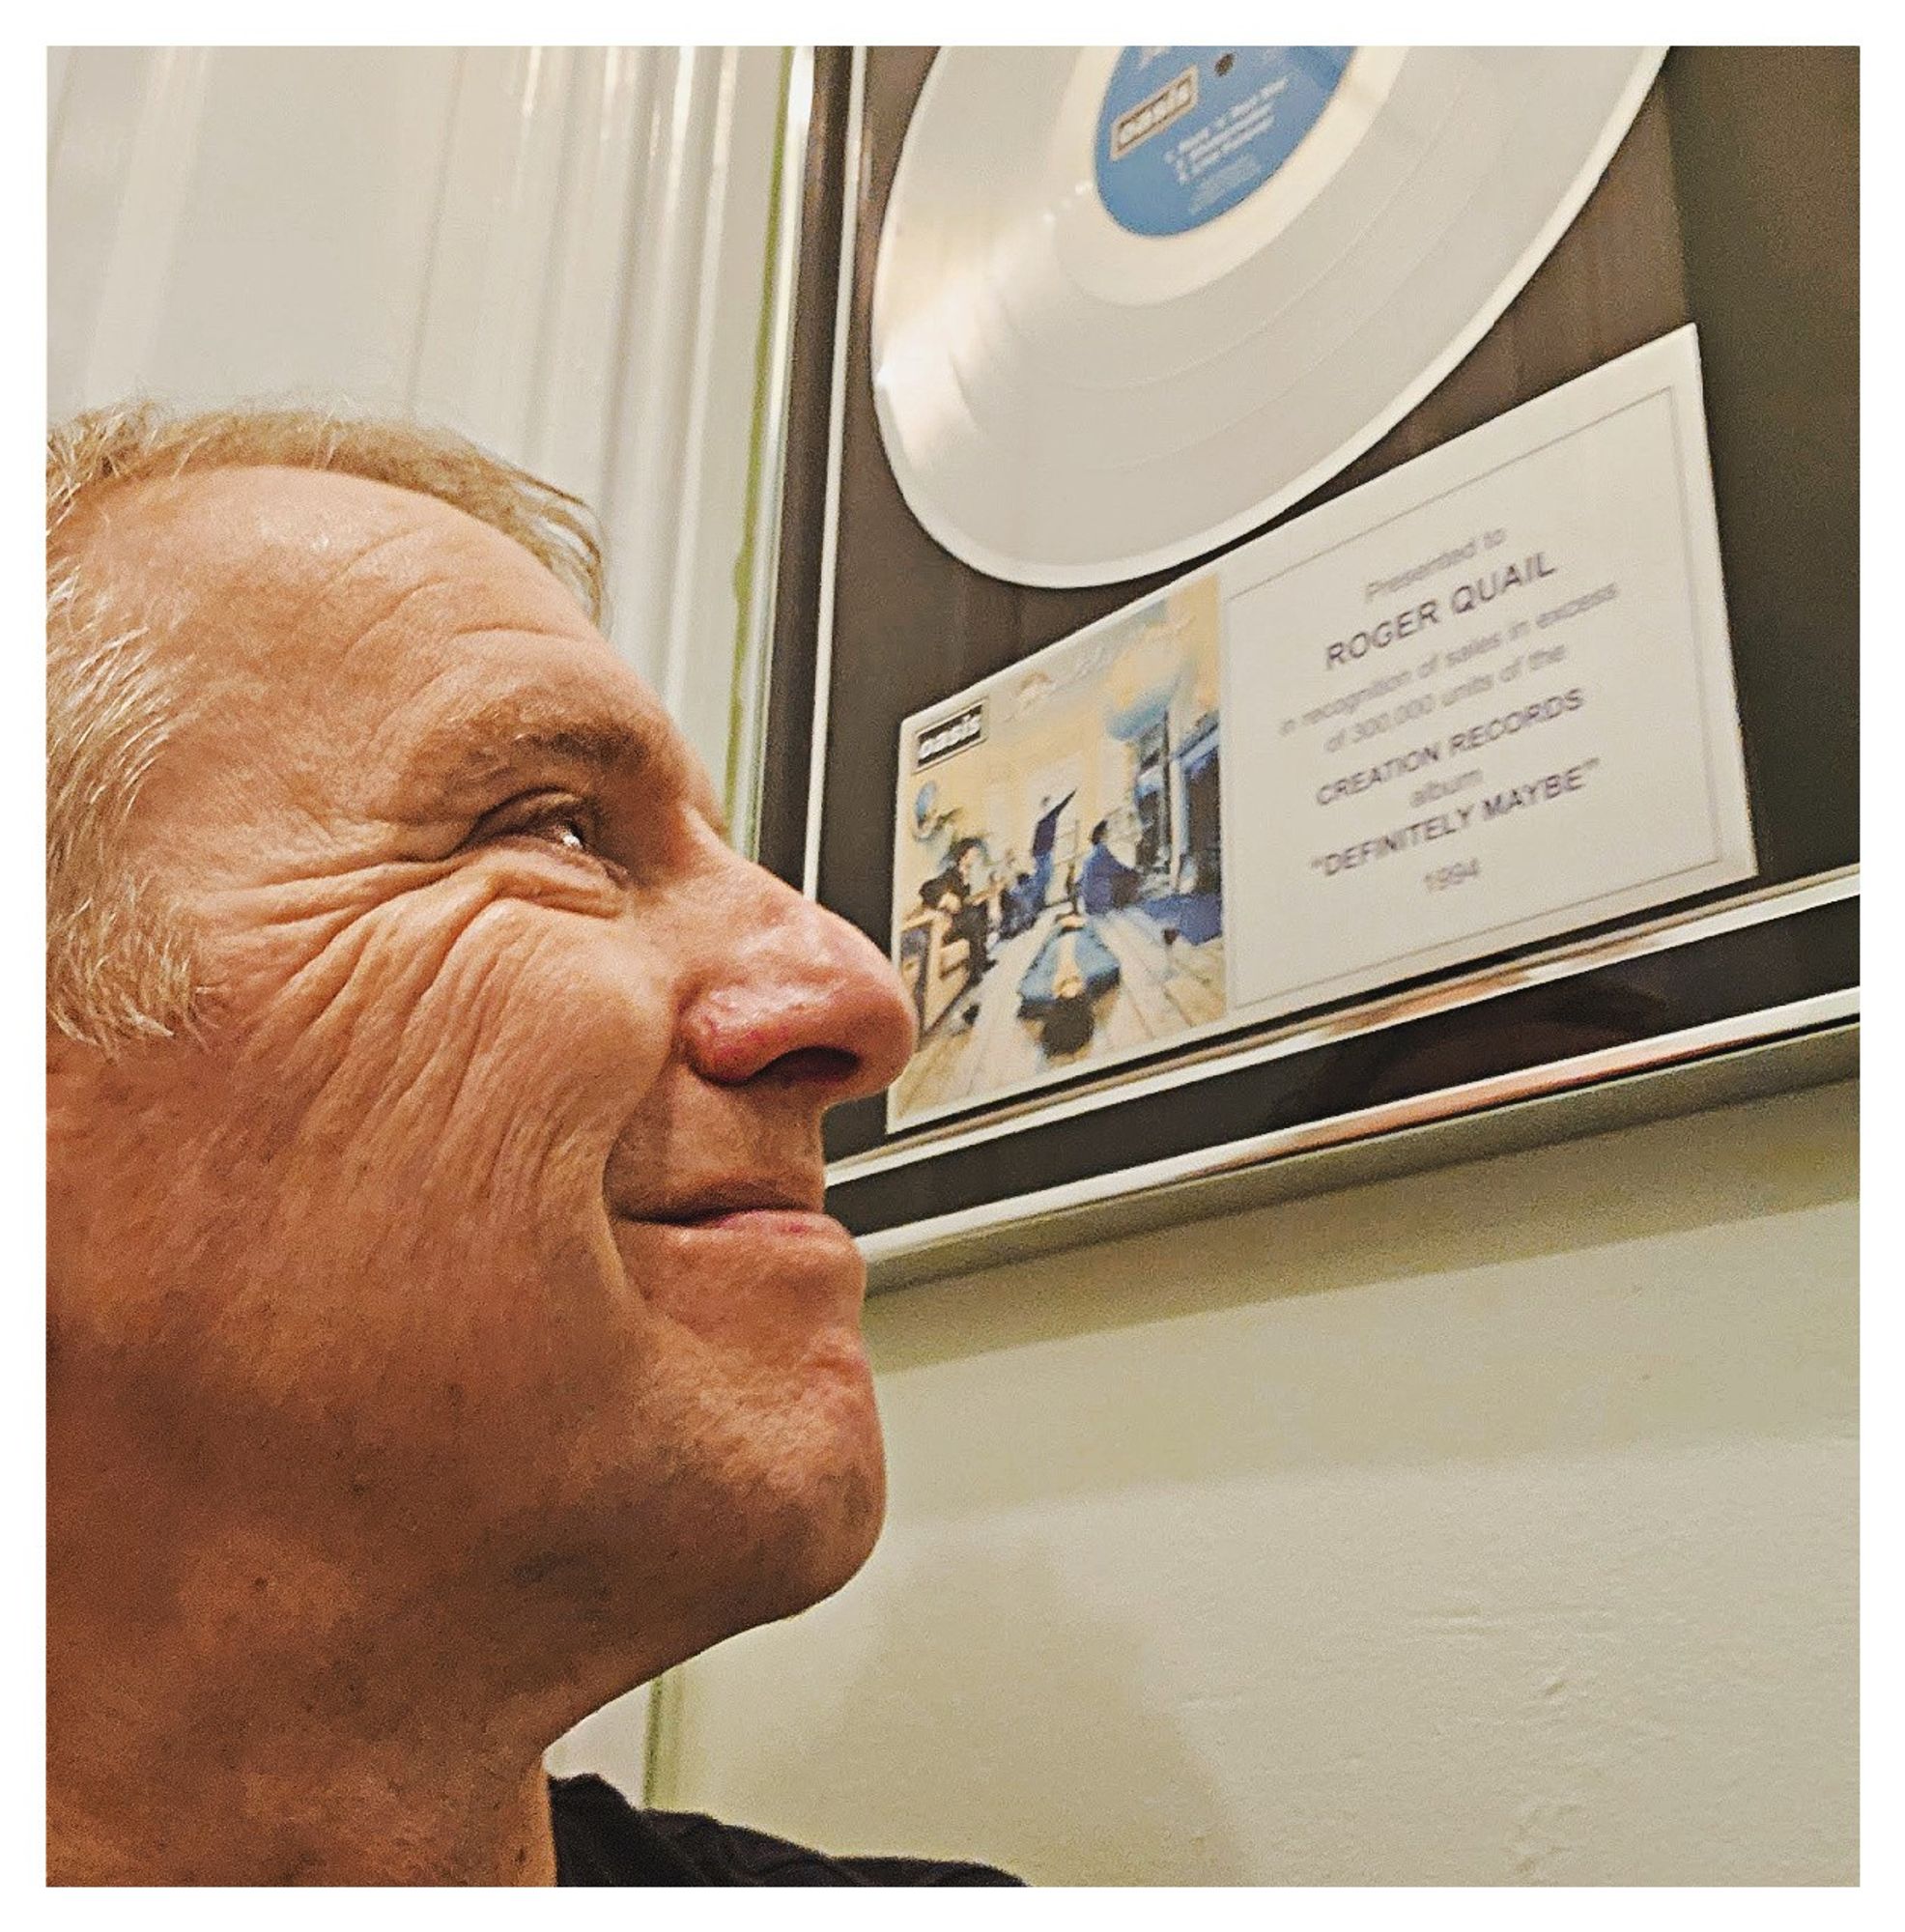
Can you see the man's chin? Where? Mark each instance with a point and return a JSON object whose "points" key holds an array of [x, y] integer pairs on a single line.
{"points": [[830, 1547], [796, 1530], [825, 1486], [749, 1328]]}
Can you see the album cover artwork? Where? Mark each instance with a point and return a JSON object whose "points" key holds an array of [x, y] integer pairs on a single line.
{"points": [[1058, 873]]}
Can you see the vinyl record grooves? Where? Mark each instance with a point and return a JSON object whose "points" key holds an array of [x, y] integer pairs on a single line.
{"points": [[1130, 305]]}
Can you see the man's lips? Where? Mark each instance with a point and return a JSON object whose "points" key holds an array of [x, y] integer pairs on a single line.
{"points": [[765, 1235], [762, 1205], [781, 1221]]}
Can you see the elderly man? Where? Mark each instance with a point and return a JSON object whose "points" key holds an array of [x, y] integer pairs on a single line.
{"points": [[445, 1334]]}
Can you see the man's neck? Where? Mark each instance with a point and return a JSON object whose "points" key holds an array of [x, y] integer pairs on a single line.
{"points": [[261, 1727], [204, 1826]]}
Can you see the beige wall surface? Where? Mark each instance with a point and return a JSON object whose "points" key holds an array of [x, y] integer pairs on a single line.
{"points": [[1493, 1525], [560, 252]]}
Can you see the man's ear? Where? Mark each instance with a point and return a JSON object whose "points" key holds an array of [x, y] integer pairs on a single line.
{"points": [[67, 1076], [78, 1079], [91, 1093], [97, 1104], [73, 1112]]}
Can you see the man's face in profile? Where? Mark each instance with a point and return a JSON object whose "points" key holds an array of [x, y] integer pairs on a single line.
{"points": [[470, 1261]]}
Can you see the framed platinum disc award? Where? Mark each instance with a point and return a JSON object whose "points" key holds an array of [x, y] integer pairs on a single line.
{"points": [[1316, 610]]}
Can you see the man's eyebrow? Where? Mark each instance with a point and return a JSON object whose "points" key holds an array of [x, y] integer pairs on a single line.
{"points": [[496, 741]]}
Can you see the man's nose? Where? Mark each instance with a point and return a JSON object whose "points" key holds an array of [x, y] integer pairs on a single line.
{"points": [[796, 998]]}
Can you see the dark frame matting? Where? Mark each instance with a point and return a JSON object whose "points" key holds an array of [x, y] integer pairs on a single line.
{"points": [[1655, 246]]}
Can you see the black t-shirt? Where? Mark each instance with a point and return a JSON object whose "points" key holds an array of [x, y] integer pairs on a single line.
{"points": [[602, 1839]]}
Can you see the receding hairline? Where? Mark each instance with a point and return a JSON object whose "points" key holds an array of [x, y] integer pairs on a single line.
{"points": [[198, 476], [99, 456], [255, 551], [163, 502]]}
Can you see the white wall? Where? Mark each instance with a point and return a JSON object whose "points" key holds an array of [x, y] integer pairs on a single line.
{"points": [[1494, 1525], [560, 252]]}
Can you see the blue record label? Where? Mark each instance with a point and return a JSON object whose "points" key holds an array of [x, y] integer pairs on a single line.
{"points": [[1185, 133]]}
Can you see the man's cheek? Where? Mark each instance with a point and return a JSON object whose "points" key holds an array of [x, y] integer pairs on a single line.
{"points": [[439, 1189], [571, 1017], [526, 1053], [401, 1007]]}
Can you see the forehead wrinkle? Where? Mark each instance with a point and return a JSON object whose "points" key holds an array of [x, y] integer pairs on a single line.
{"points": [[325, 564], [461, 597], [366, 631], [196, 538], [340, 583]]}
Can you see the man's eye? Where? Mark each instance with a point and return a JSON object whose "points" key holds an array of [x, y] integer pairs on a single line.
{"points": [[565, 823], [567, 830]]}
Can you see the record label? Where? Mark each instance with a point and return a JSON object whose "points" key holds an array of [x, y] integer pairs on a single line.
{"points": [[1185, 133]]}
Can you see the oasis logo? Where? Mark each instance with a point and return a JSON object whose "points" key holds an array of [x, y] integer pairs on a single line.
{"points": [[1176, 98], [950, 735]]}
